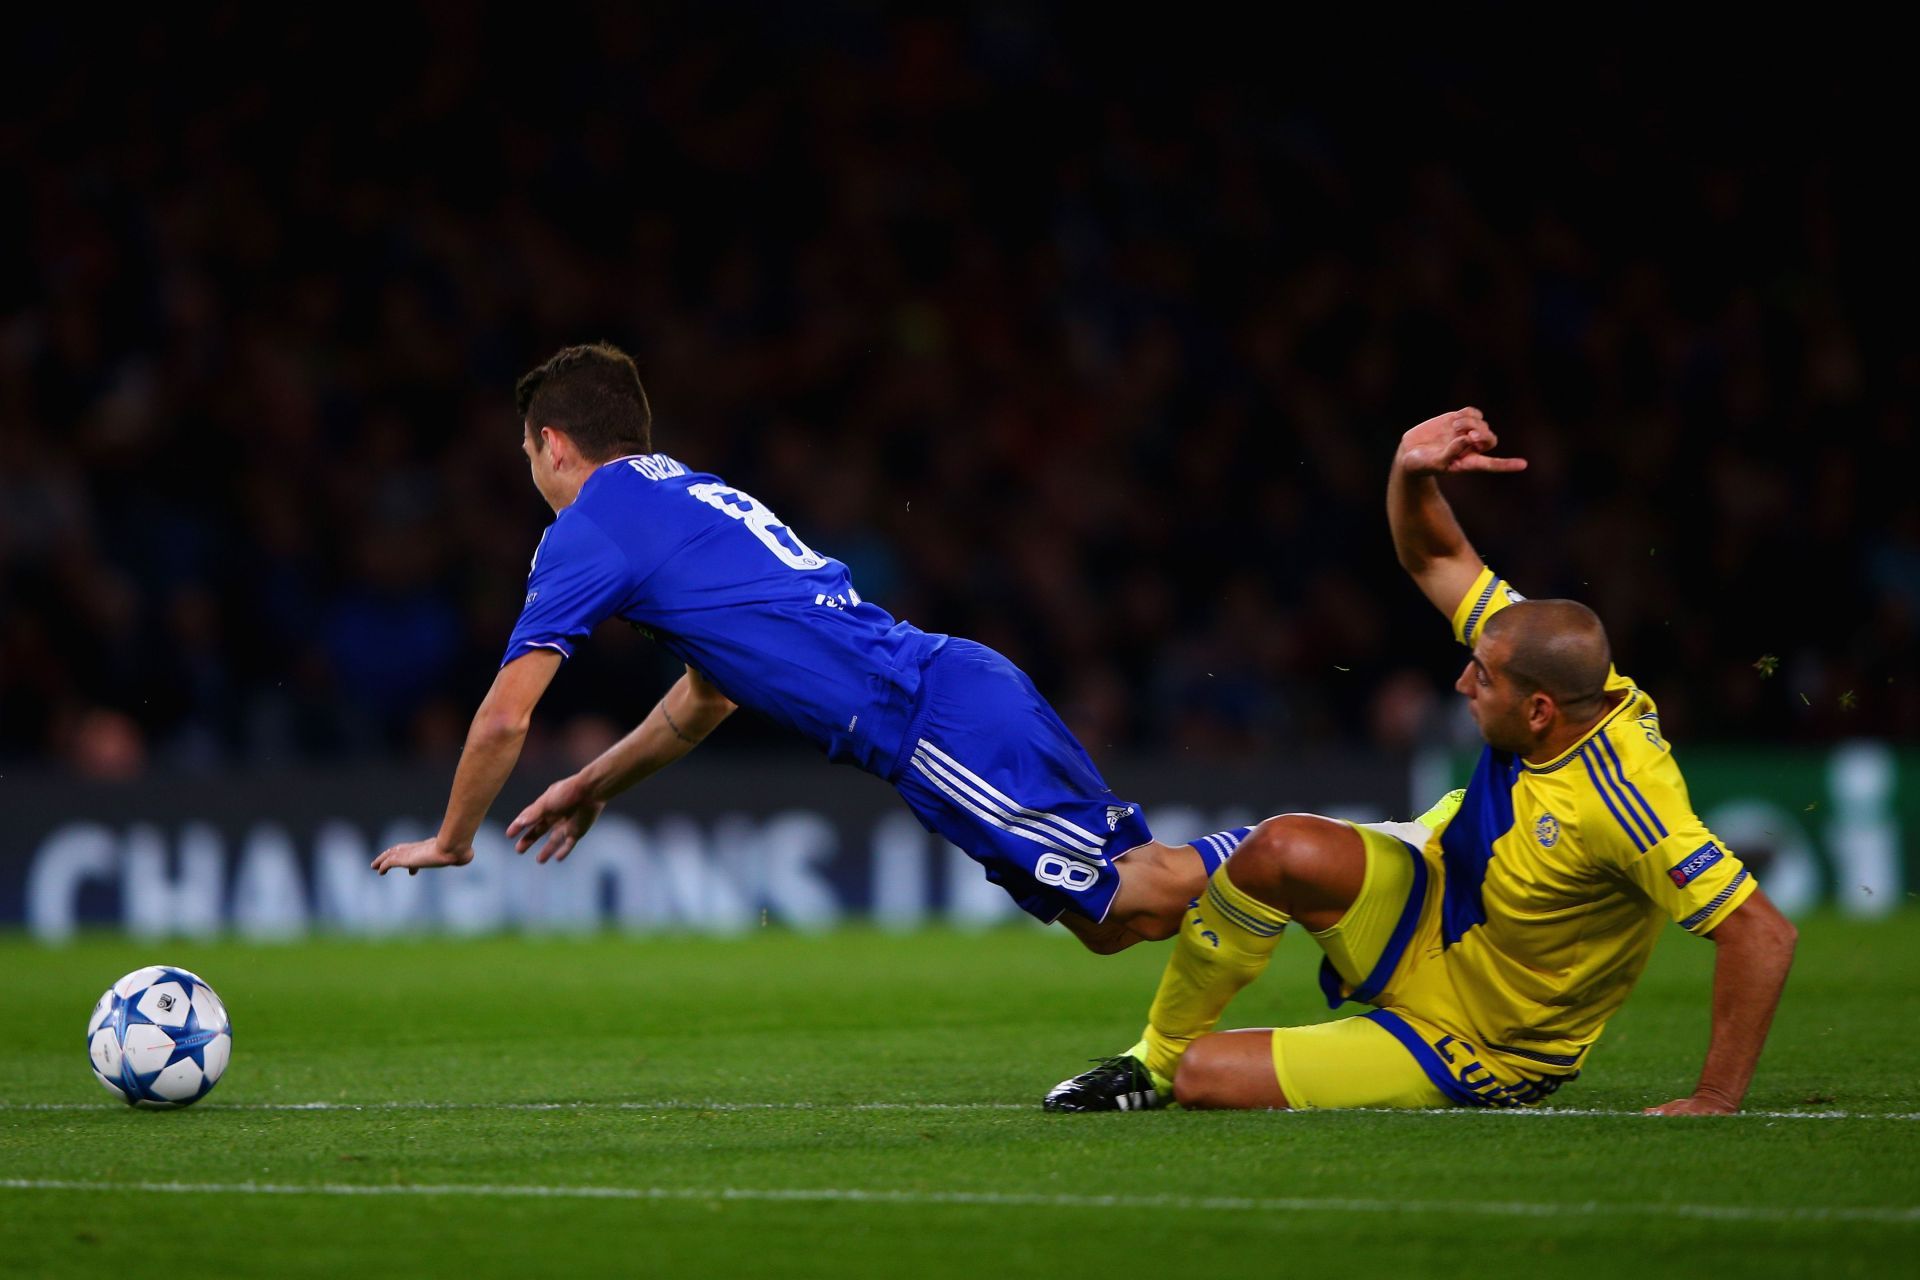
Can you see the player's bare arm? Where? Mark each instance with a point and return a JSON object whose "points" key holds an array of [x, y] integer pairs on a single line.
{"points": [[1755, 949], [494, 740], [678, 723], [1431, 546]]}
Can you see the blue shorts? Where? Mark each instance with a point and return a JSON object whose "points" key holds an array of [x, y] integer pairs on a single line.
{"points": [[990, 766]]}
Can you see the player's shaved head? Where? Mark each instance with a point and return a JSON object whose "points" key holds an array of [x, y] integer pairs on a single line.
{"points": [[592, 393], [1558, 647]]}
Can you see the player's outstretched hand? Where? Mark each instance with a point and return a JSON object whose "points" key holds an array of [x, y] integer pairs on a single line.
{"points": [[566, 809], [1697, 1105], [421, 853], [1452, 443]]}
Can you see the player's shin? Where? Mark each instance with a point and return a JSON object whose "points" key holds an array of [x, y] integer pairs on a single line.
{"points": [[1224, 943]]}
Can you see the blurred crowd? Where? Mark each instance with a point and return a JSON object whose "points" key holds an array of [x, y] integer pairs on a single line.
{"points": [[1065, 337]]}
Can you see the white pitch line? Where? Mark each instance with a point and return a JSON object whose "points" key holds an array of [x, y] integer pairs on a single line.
{"points": [[683, 1105], [547, 1106], [1602, 1111], [1899, 1215]]}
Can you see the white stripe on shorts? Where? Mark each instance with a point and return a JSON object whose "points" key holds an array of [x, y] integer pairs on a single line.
{"points": [[1094, 843], [1044, 836], [1019, 817]]}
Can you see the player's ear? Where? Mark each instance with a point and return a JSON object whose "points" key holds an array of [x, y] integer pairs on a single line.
{"points": [[1541, 710]]}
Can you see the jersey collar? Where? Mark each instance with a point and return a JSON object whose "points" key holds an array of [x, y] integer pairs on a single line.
{"points": [[1633, 698], [600, 470]]}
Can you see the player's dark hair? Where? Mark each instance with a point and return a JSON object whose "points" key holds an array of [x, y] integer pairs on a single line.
{"points": [[1555, 646], [593, 393]]}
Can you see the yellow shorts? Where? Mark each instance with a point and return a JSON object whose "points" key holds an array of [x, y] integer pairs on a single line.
{"points": [[1385, 951], [1393, 924], [1349, 1063]]}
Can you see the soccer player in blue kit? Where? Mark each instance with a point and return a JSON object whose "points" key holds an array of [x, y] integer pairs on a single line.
{"points": [[762, 620]]}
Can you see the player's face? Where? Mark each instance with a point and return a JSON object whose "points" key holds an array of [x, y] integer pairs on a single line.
{"points": [[1496, 705], [540, 462]]}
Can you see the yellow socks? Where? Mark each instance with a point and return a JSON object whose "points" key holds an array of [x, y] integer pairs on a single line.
{"points": [[1224, 943]]}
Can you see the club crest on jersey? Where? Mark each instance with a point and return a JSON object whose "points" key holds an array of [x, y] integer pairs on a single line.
{"points": [[1693, 864], [1546, 829]]}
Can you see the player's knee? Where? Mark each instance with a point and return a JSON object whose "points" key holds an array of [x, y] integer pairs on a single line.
{"points": [[1107, 944], [1204, 1079], [1157, 926], [1103, 938], [1147, 923], [1278, 853], [1193, 1079]]}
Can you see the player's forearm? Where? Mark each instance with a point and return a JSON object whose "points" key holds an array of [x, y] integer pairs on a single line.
{"points": [[1749, 973], [1425, 530], [493, 747], [650, 748], [675, 726]]}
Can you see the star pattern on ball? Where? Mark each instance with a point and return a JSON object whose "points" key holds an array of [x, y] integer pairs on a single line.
{"points": [[159, 1038]]}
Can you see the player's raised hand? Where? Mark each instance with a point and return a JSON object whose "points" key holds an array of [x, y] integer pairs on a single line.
{"points": [[1451, 443], [566, 808], [416, 854]]}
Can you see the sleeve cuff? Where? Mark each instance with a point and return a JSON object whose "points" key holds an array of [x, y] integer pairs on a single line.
{"points": [[1473, 607], [1738, 890], [526, 647]]}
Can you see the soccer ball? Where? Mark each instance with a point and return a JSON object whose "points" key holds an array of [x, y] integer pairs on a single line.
{"points": [[159, 1038]]}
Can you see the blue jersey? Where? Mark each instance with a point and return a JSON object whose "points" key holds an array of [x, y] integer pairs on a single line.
{"points": [[715, 577]]}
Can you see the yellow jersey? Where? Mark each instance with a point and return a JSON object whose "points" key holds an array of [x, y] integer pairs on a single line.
{"points": [[1557, 877]]}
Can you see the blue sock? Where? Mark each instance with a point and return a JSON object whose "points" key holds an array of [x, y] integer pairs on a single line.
{"points": [[1218, 847]]}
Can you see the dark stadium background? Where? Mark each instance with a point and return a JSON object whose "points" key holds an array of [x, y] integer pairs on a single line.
{"points": [[1085, 338], [1084, 330]]}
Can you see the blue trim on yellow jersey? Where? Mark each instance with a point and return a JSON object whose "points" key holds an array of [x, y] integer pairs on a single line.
{"points": [[1330, 981], [1547, 1059], [1719, 900], [1423, 1053], [1396, 947], [1573, 753], [1466, 844], [1616, 783], [1620, 774], [1600, 786], [1479, 607]]}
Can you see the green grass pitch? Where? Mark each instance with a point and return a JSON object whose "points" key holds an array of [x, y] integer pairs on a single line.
{"points": [[863, 1104]]}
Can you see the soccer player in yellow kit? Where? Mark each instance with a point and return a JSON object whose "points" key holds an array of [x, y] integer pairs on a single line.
{"points": [[1496, 937]]}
